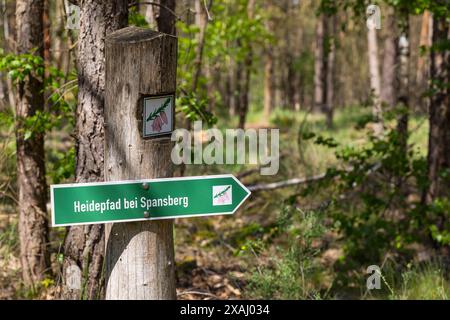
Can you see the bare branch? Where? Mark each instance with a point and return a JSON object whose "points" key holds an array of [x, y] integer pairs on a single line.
{"points": [[133, 4]]}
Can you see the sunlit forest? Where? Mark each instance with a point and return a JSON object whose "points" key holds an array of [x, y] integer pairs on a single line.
{"points": [[360, 93]]}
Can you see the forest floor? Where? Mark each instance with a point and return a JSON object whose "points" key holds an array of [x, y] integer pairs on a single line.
{"points": [[224, 257]]}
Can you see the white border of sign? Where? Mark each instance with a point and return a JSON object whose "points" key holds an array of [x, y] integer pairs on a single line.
{"points": [[74, 185]]}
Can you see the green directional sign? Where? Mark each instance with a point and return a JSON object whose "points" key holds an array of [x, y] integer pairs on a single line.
{"points": [[140, 200]]}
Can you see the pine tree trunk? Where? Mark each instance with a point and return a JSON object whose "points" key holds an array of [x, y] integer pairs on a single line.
{"points": [[331, 70], [374, 73], [388, 94], [268, 83], [403, 89], [166, 20], [319, 64], [33, 228], [201, 20], [84, 245], [439, 134], [245, 86], [423, 60]]}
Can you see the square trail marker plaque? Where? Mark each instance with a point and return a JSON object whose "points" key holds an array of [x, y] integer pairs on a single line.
{"points": [[158, 114]]}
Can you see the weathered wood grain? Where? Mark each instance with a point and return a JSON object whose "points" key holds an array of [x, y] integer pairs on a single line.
{"points": [[140, 255]]}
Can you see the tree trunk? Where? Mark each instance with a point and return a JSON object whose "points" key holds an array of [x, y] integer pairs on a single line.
{"points": [[422, 71], [151, 15], [319, 65], [166, 20], [140, 255], [268, 83], [388, 88], [439, 134], [331, 70], [245, 86], [33, 228], [268, 70], [201, 20], [374, 73], [8, 8], [403, 89], [84, 245]]}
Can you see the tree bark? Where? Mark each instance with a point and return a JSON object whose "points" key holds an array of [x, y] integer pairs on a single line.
{"points": [[166, 20], [423, 61], [139, 255], [84, 245], [151, 14], [246, 74], [319, 64], [439, 134], [268, 83], [201, 20], [388, 88], [331, 70], [374, 73], [33, 228], [403, 88]]}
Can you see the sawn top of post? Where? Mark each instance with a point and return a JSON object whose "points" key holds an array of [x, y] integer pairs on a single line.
{"points": [[134, 34]]}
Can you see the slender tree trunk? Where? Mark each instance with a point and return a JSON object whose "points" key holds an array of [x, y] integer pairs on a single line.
{"points": [[151, 14], [422, 71], [319, 65], [246, 74], [374, 73], [9, 47], [84, 245], [403, 89], [234, 84], [388, 88], [268, 83], [268, 70], [439, 134], [201, 20], [166, 20], [331, 70], [33, 228]]}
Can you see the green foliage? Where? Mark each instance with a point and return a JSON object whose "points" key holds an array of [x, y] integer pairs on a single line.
{"points": [[229, 37], [292, 273], [19, 68], [428, 282], [9, 240], [62, 167], [374, 196], [135, 18], [195, 108], [283, 118]]}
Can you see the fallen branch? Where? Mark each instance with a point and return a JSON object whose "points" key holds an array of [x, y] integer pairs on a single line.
{"points": [[297, 181], [286, 183], [198, 293]]}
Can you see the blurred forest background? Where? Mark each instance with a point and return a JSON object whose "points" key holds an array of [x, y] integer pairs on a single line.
{"points": [[364, 119]]}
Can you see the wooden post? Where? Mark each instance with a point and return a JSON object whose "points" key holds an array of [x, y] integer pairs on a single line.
{"points": [[139, 255]]}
